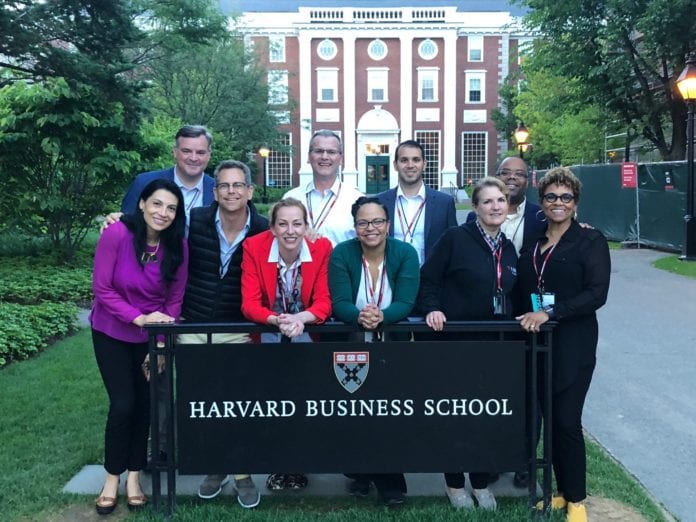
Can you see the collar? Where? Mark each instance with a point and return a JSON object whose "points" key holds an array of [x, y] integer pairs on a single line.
{"points": [[334, 188], [218, 220], [177, 180], [520, 211], [421, 192], [274, 254]]}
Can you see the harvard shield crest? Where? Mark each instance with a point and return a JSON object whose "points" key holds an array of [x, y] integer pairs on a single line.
{"points": [[351, 369]]}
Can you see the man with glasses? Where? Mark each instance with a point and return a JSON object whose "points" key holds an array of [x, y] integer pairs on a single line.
{"points": [[419, 214], [214, 291], [192, 153], [328, 200], [525, 220]]}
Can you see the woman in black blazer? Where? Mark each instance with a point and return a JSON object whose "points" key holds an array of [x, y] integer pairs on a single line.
{"points": [[564, 276]]}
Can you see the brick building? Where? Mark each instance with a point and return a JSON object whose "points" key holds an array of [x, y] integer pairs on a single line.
{"points": [[427, 70]]}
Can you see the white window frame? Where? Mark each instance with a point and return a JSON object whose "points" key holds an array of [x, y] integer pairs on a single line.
{"points": [[470, 76], [276, 49], [327, 79], [422, 46], [377, 78], [373, 45], [277, 86], [330, 44], [474, 43], [467, 166], [430, 74]]}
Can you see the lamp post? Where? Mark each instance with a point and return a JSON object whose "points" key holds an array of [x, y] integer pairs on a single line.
{"points": [[686, 83], [521, 135], [264, 152]]}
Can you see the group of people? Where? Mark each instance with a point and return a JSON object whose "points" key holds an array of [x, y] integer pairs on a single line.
{"points": [[191, 247]]}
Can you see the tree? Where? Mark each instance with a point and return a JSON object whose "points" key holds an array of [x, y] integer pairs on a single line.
{"points": [[221, 86], [627, 55], [62, 150]]}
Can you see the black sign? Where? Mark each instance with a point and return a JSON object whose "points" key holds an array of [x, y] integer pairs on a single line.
{"points": [[351, 407]]}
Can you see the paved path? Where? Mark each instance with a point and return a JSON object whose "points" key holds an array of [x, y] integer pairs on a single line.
{"points": [[641, 406]]}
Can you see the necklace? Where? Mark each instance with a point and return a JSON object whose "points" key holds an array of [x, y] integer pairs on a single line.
{"points": [[150, 257]]}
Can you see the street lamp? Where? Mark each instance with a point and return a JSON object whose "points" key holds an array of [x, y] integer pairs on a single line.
{"points": [[686, 83], [264, 152], [521, 135]]}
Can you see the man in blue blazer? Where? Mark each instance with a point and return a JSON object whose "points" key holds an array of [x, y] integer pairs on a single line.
{"points": [[525, 220], [418, 214], [192, 153]]}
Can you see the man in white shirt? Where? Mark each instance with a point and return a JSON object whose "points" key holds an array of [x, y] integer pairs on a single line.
{"points": [[328, 200], [419, 215]]}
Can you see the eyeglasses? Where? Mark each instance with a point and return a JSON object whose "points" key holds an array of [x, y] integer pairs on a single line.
{"points": [[565, 197], [328, 152], [505, 173], [377, 223], [228, 187]]}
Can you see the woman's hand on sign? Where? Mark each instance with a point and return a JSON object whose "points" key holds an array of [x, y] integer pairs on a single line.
{"points": [[436, 320]]}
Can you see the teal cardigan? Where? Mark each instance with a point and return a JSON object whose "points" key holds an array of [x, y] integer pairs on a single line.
{"points": [[345, 271]]}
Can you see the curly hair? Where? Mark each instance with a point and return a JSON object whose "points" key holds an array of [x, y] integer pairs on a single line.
{"points": [[560, 176]]}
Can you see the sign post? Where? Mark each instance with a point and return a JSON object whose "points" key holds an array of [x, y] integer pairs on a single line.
{"points": [[629, 180]]}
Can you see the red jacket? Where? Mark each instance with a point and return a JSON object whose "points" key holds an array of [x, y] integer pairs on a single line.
{"points": [[260, 279]]}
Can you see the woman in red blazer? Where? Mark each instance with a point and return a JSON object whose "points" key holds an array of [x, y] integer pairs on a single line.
{"points": [[285, 276]]}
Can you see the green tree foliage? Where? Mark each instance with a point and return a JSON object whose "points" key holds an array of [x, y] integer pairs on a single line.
{"points": [[627, 54], [62, 150], [565, 128], [222, 86]]}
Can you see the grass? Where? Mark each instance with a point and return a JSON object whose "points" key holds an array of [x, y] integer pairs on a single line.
{"points": [[677, 266], [53, 412]]}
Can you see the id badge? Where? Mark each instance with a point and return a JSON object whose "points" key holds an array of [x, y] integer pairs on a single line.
{"points": [[499, 307], [542, 301]]}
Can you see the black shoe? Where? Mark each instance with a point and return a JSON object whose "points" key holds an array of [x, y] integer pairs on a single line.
{"points": [[393, 499], [359, 488], [150, 465], [521, 479], [493, 477]]}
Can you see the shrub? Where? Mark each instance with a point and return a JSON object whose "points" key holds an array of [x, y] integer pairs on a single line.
{"points": [[26, 282], [26, 330]]}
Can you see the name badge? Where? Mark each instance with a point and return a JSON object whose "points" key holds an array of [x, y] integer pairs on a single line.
{"points": [[499, 304], [542, 301]]}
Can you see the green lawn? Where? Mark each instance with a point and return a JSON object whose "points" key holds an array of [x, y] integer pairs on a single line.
{"points": [[677, 266], [53, 411]]}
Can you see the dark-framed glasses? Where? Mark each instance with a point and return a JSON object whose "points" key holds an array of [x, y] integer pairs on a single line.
{"points": [[566, 197], [364, 223], [228, 187], [507, 173]]}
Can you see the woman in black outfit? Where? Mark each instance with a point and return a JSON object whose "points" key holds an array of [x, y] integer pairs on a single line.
{"points": [[564, 276], [468, 277]]}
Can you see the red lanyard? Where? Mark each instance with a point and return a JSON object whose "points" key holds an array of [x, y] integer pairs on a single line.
{"points": [[540, 274], [284, 289], [498, 256], [409, 229], [321, 219], [368, 287]]}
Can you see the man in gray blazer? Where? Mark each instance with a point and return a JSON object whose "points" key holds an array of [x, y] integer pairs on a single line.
{"points": [[418, 214]]}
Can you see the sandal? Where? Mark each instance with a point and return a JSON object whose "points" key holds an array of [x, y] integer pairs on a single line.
{"points": [[106, 505], [135, 502]]}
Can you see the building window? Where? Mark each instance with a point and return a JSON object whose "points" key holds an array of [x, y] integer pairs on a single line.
{"points": [[377, 85], [431, 145], [327, 84], [475, 87], [427, 49], [279, 164], [427, 84], [327, 50], [277, 87], [276, 49], [474, 165], [475, 44], [377, 49]]}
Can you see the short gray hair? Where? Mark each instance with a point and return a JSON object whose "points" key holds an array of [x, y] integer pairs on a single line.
{"points": [[234, 164], [326, 133]]}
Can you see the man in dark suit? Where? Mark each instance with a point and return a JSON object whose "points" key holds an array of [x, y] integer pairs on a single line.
{"points": [[419, 215], [191, 151], [525, 220]]}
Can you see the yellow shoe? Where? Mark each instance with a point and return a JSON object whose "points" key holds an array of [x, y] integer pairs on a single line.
{"points": [[557, 502], [576, 512]]}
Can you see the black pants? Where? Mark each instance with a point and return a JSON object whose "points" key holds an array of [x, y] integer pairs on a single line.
{"points": [[456, 480], [128, 421], [569, 459]]}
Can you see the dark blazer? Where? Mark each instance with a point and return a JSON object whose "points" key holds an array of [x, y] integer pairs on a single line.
{"points": [[534, 223], [577, 272], [440, 214], [260, 279], [459, 279], [130, 200]]}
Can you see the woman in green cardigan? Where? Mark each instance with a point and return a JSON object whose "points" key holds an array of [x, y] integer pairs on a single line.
{"points": [[373, 280]]}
